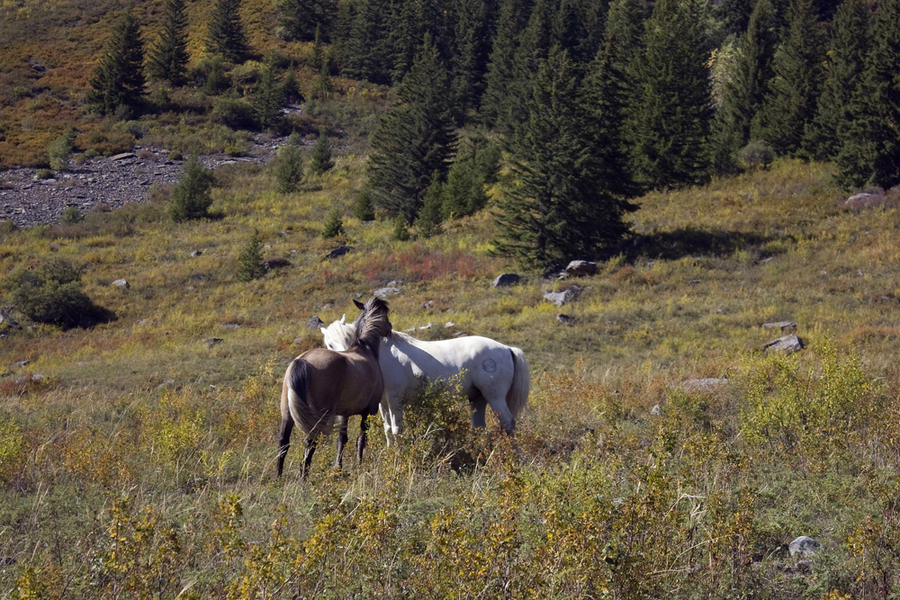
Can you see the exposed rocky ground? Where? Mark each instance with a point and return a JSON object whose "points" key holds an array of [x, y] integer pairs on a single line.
{"points": [[112, 180]]}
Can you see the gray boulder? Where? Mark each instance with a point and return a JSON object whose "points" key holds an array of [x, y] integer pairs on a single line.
{"points": [[386, 291], [786, 344], [315, 323], [121, 283]]}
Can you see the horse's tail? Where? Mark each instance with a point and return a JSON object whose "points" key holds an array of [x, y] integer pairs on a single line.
{"points": [[517, 396], [309, 417]]}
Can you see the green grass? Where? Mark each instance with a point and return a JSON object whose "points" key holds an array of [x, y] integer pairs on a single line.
{"points": [[142, 463]]}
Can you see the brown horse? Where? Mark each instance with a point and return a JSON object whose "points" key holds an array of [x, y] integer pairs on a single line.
{"points": [[320, 385]]}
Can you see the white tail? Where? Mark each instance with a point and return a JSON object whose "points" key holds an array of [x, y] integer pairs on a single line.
{"points": [[517, 396]]}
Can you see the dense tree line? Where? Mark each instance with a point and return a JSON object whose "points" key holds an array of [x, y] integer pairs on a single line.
{"points": [[589, 102]]}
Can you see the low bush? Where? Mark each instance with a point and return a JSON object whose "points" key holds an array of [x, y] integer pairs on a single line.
{"points": [[51, 293]]}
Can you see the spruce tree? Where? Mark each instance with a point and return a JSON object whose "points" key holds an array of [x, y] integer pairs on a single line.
{"points": [[747, 81], [471, 44], [474, 168], [511, 21], [334, 224], [250, 263], [118, 81], [267, 99], [414, 139], [672, 128], [364, 50], [558, 205], [870, 141], [305, 20], [289, 167], [191, 197], [225, 35], [534, 46], [168, 59], [797, 79], [844, 67], [606, 97], [429, 222], [321, 156]]}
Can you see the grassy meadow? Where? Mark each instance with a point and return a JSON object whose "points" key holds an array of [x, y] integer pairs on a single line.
{"points": [[137, 457]]}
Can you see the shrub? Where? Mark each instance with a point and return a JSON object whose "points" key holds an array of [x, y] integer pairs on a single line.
{"points": [[191, 198], [51, 293], [237, 114], [44, 174], [757, 154], [70, 215], [60, 150]]}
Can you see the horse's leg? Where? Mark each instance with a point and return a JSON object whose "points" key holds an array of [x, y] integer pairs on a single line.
{"points": [[287, 424], [307, 457], [341, 440], [499, 406], [393, 425], [385, 413], [361, 439], [478, 405]]}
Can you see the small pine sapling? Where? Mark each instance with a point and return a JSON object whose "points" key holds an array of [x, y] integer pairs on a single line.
{"points": [[334, 224], [251, 265]]}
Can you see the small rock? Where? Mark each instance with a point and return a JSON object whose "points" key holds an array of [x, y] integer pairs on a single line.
{"points": [[339, 251], [314, 323], [782, 325], [656, 410], [122, 156], [428, 305], [386, 291], [121, 283], [565, 319], [276, 263], [563, 297], [230, 326], [581, 268], [20, 364], [196, 253], [506, 279], [787, 344], [804, 546], [213, 341], [449, 324]]}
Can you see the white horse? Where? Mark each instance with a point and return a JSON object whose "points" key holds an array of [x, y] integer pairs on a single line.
{"points": [[492, 374]]}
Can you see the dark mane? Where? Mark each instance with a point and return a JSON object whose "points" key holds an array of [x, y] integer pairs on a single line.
{"points": [[373, 324]]}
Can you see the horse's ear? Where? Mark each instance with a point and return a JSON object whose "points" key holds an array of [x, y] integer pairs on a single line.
{"points": [[343, 319], [323, 330], [358, 304]]}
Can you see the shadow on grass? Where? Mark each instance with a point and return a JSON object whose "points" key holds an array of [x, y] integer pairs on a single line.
{"points": [[687, 241]]}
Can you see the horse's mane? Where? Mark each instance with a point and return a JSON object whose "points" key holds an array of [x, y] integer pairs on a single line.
{"points": [[372, 324]]}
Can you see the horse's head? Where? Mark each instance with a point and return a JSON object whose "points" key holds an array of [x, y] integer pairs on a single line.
{"points": [[339, 336], [373, 322]]}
